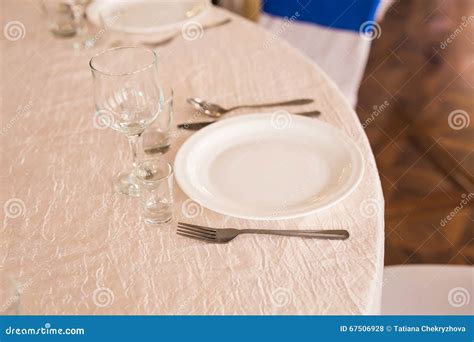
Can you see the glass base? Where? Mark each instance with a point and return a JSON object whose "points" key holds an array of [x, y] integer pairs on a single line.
{"points": [[83, 43], [124, 185], [158, 221]]}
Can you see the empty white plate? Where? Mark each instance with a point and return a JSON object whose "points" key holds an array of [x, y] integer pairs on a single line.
{"points": [[145, 16], [268, 166]]}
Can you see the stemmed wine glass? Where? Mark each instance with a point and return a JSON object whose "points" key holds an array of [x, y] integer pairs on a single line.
{"points": [[66, 18], [128, 98], [78, 9]]}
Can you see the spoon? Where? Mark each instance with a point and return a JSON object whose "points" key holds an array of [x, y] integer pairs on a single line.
{"points": [[213, 110], [194, 126]]}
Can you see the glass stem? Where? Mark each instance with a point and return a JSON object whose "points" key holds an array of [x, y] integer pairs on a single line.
{"points": [[78, 15], [135, 145]]}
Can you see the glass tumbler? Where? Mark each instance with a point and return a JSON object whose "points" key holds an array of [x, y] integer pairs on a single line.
{"points": [[155, 181], [60, 17], [157, 137]]}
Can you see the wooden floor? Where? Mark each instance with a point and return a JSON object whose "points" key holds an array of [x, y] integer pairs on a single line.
{"points": [[416, 102]]}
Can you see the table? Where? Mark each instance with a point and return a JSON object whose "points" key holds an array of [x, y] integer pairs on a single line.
{"points": [[78, 248]]}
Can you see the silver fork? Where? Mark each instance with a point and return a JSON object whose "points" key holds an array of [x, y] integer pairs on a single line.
{"points": [[227, 234]]}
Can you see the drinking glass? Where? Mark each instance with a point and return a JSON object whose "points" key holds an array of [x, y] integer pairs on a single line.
{"points": [[157, 137], [66, 18], [128, 98], [155, 179], [59, 17], [78, 8]]}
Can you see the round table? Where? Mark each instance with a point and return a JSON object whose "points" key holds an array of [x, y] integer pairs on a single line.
{"points": [[77, 248]]}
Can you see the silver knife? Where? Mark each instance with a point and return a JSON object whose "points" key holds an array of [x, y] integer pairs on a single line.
{"points": [[194, 126]]}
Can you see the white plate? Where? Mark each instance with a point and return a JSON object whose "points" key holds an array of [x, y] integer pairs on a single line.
{"points": [[268, 166], [145, 16]]}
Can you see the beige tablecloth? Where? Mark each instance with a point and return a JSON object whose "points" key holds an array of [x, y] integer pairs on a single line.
{"points": [[78, 248]]}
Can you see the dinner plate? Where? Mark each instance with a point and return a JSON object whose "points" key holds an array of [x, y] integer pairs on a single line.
{"points": [[145, 16], [268, 166]]}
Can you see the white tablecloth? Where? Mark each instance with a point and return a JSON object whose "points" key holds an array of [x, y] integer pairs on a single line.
{"points": [[78, 248]]}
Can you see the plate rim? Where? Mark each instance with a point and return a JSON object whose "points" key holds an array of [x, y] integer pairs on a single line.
{"points": [[96, 5], [187, 144]]}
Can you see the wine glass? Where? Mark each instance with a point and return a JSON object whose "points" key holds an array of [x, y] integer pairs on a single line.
{"points": [[66, 18], [78, 9], [127, 97]]}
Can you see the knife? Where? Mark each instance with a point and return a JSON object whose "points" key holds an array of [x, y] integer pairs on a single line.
{"points": [[194, 126]]}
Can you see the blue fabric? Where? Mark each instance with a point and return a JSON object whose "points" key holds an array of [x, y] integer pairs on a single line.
{"points": [[341, 14]]}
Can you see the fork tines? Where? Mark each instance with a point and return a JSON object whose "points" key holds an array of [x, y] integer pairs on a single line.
{"points": [[196, 232]]}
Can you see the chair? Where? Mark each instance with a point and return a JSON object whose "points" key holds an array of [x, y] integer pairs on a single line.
{"points": [[328, 32], [428, 290]]}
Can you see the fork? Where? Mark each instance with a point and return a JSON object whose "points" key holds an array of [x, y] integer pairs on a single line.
{"points": [[227, 234]]}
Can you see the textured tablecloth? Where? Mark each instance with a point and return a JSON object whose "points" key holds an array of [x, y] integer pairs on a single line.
{"points": [[77, 248]]}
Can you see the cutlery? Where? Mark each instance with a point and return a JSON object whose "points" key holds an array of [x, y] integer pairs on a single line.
{"points": [[215, 111], [194, 126], [177, 34], [223, 235]]}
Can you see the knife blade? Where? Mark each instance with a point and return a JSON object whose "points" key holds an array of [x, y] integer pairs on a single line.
{"points": [[194, 126]]}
